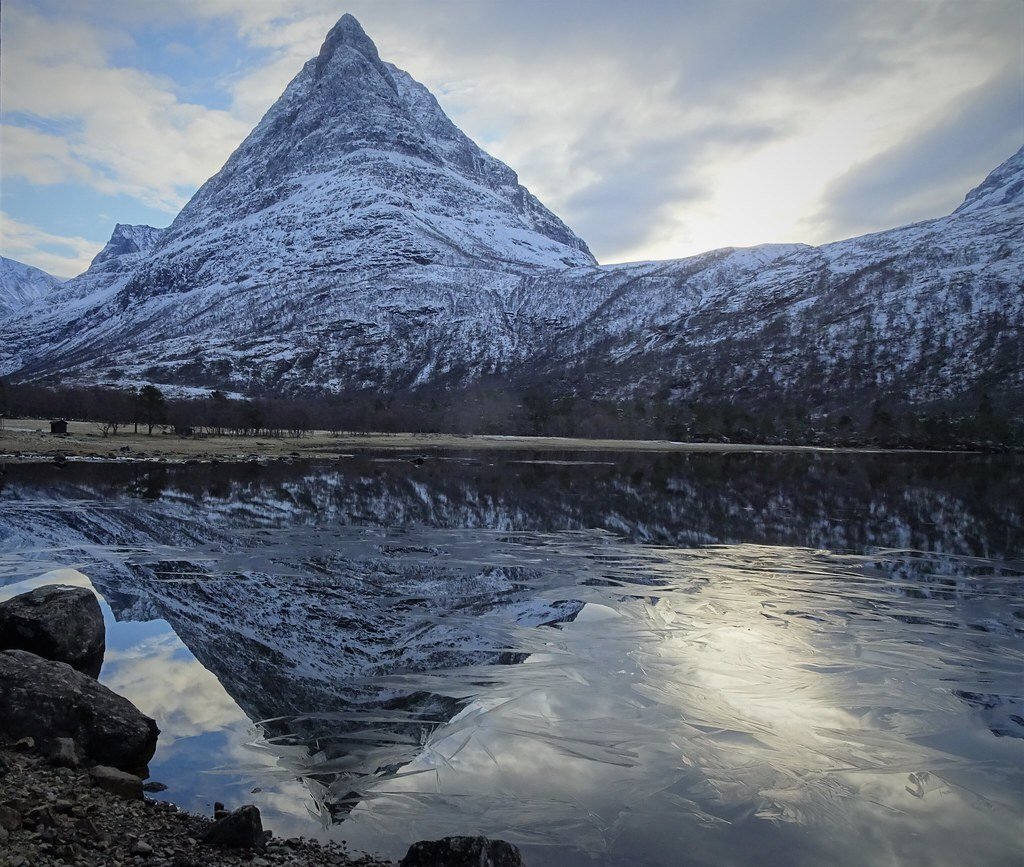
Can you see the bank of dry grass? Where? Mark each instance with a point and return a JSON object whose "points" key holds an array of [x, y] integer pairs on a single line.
{"points": [[30, 440]]}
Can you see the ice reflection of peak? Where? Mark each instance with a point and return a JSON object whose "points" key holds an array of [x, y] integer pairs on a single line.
{"points": [[739, 674], [834, 502]]}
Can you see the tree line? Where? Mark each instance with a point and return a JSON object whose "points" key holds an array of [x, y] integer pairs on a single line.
{"points": [[496, 408]]}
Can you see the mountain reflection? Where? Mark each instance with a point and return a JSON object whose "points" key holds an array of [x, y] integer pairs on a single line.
{"points": [[729, 645]]}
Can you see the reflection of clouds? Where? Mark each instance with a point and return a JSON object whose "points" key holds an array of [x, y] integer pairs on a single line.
{"points": [[162, 678], [72, 577], [778, 709]]}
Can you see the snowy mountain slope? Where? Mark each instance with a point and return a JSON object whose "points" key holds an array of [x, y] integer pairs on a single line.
{"points": [[22, 285], [1003, 186], [919, 313], [358, 240], [354, 167]]}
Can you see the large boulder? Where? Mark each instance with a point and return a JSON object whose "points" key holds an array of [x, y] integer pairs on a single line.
{"points": [[56, 622], [241, 829], [51, 700], [462, 852]]}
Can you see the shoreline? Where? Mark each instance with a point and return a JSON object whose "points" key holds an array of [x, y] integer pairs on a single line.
{"points": [[51, 815], [29, 441]]}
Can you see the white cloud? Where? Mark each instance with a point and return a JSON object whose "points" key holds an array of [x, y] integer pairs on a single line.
{"points": [[637, 123], [35, 246], [127, 131], [171, 686], [41, 158]]}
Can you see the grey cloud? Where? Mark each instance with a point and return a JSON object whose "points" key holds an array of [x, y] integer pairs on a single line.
{"points": [[630, 204], [928, 175], [643, 179]]}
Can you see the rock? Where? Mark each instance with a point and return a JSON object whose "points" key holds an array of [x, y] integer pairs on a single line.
{"points": [[56, 622], [39, 695], [219, 810], [25, 745], [10, 819], [462, 852], [122, 784], [64, 753], [39, 817], [241, 829], [153, 786], [141, 847]]}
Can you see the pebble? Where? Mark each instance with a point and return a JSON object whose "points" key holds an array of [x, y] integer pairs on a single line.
{"points": [[100, 828]]}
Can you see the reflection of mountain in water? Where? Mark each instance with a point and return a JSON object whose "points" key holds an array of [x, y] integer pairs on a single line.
{"points": [[309, 648], [962, 504], [281, 582]]}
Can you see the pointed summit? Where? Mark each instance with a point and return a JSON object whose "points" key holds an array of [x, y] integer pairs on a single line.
{"points": [[356, 164], [127, 239], [347, 33]]}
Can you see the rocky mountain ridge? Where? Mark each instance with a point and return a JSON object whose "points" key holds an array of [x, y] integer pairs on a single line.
{"points": [[22, 285], [358, 240]]}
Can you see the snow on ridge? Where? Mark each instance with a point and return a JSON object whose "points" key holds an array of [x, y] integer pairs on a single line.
{"points": [[22, 285], [370, 243]]}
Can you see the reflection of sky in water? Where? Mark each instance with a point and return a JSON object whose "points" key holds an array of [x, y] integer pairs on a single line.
{"points": [[740, 711], [729, 704], [202, 729]]}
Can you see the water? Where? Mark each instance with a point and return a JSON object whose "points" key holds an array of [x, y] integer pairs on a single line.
{"points": [[634, 659]]}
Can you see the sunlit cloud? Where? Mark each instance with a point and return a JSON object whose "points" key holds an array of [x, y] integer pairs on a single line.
{"points": [[655, 130], [166, 682], [59, 255]]}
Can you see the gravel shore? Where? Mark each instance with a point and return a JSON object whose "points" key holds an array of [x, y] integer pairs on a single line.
{"points": [[53, 816]]}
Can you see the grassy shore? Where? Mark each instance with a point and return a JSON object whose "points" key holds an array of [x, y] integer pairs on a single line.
{"points": [[25, 440]]}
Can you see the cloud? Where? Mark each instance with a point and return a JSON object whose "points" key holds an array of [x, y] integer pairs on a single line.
{"points": [[41, 158], [654, 129], [59, 255], [126, 130], [614, 115], [166, 682], [922, 175]]}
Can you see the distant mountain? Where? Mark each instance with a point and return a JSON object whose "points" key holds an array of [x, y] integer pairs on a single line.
{"points": [[22, 285], [127, 240], [357, 240]]}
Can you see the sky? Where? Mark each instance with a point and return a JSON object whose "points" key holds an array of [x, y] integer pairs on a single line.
{"points": [[656, 129]]}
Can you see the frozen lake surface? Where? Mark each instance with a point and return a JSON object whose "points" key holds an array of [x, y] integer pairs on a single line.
{"points": [[633, 659]]}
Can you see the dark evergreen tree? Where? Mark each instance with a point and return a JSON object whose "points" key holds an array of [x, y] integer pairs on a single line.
{"points": [[152, 407]]}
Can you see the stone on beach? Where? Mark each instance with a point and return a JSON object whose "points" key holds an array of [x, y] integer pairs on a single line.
{"points": [[462, 852], [119, 783], [56, 622], [42, 696], [242, 828]]}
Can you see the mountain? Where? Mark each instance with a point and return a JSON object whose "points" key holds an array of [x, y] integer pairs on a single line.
{"points": [[22, 285], [127, 240], [358, 241]]}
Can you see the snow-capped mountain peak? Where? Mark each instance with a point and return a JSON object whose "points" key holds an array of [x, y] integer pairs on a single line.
{"points": [[358, 240], [22, 285], [348, 34], [356, 166], [126, 240]]}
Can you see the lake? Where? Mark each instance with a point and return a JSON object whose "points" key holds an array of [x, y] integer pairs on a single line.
{"points": [[642, 659]]}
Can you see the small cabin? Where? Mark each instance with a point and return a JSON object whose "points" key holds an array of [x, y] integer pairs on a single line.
{"points": [[58, 426]]}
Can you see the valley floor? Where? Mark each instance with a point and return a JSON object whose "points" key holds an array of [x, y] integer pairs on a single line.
{"points": [[24, 440]]}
